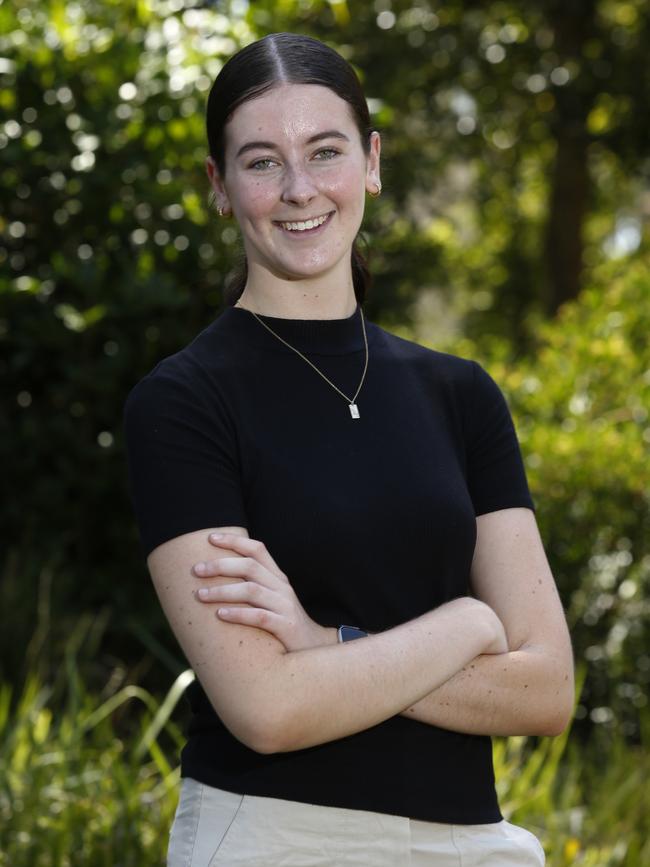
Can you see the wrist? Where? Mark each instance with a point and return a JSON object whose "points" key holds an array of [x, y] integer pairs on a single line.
{"points": [[329, 635], [350, 633]]}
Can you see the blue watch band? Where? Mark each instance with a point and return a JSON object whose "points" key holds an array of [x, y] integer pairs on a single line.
{"points": [[349, 633]]}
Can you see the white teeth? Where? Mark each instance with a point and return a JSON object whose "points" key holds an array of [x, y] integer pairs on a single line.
{"points": [[307, 224]]}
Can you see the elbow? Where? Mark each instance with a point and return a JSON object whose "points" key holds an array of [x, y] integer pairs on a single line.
{"points": [[263, 745], [280, 737], [552, 713], [282, 732], [259, 734], [260, 742], [554, 725], [263, 719], [562, 705], [265, 730], [555, 717], [561, 719]]}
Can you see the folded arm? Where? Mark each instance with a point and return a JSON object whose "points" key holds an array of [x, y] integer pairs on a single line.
{"points": [[526, 691], [274, 700], [530, 689]]}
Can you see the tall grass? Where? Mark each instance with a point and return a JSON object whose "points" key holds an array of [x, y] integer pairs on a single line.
{"points": [[589, 805], [90, 780], [86, 779]]}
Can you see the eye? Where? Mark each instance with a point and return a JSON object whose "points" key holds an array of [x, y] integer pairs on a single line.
{"points": [[326, 153], [260, 165]]}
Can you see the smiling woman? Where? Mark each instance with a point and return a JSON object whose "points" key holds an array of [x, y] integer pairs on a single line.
{"points": [[298, 195], [300, 146], [407, 514]]}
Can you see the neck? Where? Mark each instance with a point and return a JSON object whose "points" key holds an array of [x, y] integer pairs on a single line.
{"points": [[325, 298]]}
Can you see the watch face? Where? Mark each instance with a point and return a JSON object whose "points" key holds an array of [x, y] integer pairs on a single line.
{"points": [[349, 633]]}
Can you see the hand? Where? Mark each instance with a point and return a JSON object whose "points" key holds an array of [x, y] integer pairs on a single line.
{"points": [[485, 619], [499, 643], [270, 601]]}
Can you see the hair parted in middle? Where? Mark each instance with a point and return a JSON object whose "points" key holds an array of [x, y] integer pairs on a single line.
{"points": [[284, 58]]}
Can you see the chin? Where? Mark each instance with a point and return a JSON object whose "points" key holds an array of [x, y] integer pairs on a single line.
{"points": [[305, 272]]}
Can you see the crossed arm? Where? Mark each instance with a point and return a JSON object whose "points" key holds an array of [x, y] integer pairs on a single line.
{"points": [[497, 664], [530, 689]]}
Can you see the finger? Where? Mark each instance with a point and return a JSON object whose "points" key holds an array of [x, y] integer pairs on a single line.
{"points": [[248, 548], [259, 617], [238, 567], [206, 569], [251, 593], [243, 567]]}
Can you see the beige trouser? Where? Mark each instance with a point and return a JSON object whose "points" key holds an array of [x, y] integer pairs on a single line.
{"points": [[214, 828]]}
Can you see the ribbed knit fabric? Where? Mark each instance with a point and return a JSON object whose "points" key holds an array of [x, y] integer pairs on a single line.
{"points": [[372, 519]]}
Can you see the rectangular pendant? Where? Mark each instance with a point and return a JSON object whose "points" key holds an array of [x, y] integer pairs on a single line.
{"points": [[354, 410]]}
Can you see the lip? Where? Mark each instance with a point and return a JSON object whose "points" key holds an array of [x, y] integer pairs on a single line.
{"points": [[305, 233]]}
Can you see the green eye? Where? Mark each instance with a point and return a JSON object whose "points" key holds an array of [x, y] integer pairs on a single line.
{"points": [[327, 153], [260, 165]]}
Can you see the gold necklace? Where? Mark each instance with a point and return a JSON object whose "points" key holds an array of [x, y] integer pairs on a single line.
{"points": [[354, 409]]}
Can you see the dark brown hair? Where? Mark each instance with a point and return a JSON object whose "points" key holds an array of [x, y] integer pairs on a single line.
{"points": [[284, 58]]}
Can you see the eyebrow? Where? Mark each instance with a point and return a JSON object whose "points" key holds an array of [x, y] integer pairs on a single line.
{"points": [[269, 145]]}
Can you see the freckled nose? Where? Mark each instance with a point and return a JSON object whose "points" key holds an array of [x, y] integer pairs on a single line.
{"points": [[298, 187]]}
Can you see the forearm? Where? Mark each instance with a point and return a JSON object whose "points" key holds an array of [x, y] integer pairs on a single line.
{"points": [[523, 692], [325, 693]]}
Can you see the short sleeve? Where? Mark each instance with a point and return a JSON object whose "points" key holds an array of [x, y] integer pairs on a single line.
{"points": [[183, 462], [495, 470]]}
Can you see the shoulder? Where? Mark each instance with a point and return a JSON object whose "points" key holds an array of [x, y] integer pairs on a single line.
{"points": [[193, 374], [457, 372]]}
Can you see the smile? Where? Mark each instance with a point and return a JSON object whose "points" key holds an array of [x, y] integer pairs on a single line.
{"points": [[305, 225]]}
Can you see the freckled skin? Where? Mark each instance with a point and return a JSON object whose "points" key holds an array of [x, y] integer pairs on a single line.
{"points": [[296, 181]]}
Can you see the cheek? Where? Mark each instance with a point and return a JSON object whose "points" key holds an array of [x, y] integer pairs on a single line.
{"points": [[256, 198], [347, 186]]}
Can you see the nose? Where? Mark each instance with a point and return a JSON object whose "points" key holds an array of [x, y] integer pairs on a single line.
{"points": [[299, 188]]}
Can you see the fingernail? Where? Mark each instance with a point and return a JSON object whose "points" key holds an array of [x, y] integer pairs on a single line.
{"points": [[199, 567], [216, 536], [203, 593]]}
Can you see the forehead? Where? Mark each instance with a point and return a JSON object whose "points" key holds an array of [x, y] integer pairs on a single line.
{"points": [[290, 112]]}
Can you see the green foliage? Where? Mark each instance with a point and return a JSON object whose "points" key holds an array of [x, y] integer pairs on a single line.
{"points": [[110, 261], [582, 408], [91, 778], [86, 778], [482, 106], [587, 805]]}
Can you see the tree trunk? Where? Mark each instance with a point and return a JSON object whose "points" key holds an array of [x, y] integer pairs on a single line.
{"points": [[573, 24], [567, 208]]}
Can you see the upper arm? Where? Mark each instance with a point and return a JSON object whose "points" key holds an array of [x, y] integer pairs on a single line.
{"points": [[186, 481], [511, 574], [229, 660]]}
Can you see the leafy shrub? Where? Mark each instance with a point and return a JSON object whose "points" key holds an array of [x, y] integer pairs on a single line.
{"points": [[91, 778], [581, 405], [86, 778]]}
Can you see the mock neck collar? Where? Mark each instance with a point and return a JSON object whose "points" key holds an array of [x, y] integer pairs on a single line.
{"points": [[318, 336]]}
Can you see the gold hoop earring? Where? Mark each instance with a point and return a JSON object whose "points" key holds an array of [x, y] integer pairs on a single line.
{"points": [[378, 192]]}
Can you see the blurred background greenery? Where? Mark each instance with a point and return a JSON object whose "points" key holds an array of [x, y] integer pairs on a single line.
{"points": [[513, 228]]}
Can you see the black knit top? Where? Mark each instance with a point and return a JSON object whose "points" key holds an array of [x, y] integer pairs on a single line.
{"points": [[372, 519]]}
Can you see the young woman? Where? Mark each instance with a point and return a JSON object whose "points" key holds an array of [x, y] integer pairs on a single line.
{"points": [[365, 488]]}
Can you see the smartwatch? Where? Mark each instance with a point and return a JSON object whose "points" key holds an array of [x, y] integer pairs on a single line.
{"points": [[349, 633]]}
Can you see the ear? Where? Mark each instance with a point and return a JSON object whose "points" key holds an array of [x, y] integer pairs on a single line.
{"points": [[218, 186], [373, 176]]}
